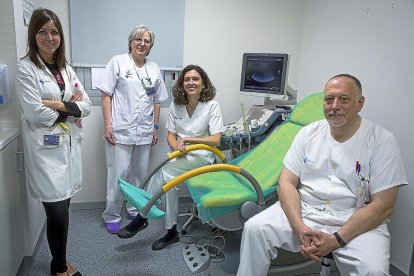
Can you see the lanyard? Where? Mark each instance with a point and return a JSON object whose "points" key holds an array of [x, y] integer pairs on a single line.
{"points": [[54, 70], [146, 82], [145, 67]]}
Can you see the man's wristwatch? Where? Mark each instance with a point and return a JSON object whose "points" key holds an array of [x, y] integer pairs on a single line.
{"points": [[339, 239], [156, 126]]}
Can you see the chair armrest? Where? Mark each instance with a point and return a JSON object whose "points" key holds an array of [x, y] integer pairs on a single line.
{"points": [[210, 168], [178, 153], [193, 147]]}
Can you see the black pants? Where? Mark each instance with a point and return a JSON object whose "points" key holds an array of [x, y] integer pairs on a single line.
{"points": [[57, 220]]}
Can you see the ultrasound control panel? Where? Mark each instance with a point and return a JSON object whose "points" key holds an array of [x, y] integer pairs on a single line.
{"points": [[258, 122]]}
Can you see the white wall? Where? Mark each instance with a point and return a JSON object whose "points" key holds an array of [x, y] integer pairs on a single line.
{"points": [[93, 159], [374, 40], [217, 33]]}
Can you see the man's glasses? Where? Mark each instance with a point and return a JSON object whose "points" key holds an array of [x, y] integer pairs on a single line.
{"points": [[342, 99]]}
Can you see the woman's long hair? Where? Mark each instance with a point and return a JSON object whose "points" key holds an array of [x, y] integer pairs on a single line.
{"points": [[39, 18], [207, 93]]}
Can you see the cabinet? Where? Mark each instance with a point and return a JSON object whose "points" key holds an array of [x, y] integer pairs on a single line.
{"points": [[11, 211]]}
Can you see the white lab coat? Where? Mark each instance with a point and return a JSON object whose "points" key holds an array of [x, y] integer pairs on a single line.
{"points": [[54, 172]]}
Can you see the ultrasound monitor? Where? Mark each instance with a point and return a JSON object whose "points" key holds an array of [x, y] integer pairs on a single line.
{"points": [[264, 74]]}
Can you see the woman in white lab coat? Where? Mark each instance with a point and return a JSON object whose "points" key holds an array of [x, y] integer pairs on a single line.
{"points": [[194, 118], [132, 88], [52, 101]]}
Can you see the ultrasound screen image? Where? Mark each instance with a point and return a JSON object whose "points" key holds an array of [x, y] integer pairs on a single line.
{"points": [[264, 74]]}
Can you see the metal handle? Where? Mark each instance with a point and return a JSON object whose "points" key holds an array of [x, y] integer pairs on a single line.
{"points": [[19, 161]]}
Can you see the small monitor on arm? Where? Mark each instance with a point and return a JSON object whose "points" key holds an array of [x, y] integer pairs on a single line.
{"points": [[264, 75]]}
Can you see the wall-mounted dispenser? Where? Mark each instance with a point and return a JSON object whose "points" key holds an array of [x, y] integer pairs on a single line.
{"points": [[4, 85]]}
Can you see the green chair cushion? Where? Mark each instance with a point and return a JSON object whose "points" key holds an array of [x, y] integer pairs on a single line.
{"points": [[139, 198], [222, 189], [308, 110], [223, 192]]}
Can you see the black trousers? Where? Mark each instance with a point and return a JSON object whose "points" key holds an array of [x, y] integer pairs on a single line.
{"points": [[57, 225]]}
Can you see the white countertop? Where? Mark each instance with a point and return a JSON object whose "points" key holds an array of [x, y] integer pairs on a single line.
{"points": [[8, 132]]}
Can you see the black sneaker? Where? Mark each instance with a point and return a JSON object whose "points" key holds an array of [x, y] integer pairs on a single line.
{"points": [[164, 241]]}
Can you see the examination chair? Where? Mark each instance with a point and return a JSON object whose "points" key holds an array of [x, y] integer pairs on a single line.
{"points": [[227, 195], [224, 197]]}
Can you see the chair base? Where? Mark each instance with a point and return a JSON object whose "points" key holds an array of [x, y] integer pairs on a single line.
{"points": [[192, 216]]}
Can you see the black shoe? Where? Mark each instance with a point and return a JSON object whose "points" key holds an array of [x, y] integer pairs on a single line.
{"points": [[76, 274], [139, 223], [53, 270], [163, 242]]}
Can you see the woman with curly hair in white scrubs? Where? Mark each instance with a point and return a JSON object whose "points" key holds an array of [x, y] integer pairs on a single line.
{"points": [[132, 89], [194, 118]]}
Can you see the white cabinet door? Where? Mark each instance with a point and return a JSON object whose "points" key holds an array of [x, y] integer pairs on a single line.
{"points": [[11, 212]]}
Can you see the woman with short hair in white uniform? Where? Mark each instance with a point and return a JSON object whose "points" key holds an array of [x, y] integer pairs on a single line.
{"points": [[132, 89], [52, 102], [194, 118]]}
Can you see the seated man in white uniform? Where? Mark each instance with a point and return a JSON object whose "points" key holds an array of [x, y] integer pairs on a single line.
{"points": [[336, 191]]}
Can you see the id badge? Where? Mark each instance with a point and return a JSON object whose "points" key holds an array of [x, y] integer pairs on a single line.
{"points": [[51, 140], [150, 90]]}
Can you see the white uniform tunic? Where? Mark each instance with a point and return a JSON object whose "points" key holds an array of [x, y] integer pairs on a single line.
{"points": [[132, 124], [132, 109], [205, 121], [54, 172], [328, 189]]}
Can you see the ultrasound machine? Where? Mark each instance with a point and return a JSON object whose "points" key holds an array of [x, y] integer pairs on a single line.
{"points": [[263, 75]]}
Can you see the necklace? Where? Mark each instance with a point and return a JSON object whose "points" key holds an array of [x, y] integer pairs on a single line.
{"points": [[190, 108]]}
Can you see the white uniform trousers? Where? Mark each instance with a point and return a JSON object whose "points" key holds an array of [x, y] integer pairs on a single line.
{"points": [[168, 172], [367, 254], [129, 162]]}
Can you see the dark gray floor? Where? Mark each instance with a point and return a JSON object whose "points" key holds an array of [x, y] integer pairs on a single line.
{"points": [[95, 252]]}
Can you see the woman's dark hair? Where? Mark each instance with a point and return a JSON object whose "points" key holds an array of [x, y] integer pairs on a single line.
{"points": [[39, 18], [207, 93]]}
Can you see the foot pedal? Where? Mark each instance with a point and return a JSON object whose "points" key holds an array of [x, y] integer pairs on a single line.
{"points": [[197, 258]]}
